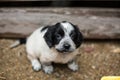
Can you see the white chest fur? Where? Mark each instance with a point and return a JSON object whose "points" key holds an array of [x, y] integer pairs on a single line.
{"points": [[64, 57]]}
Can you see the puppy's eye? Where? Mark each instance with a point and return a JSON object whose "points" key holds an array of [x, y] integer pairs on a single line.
{"points": [[58, 36]]}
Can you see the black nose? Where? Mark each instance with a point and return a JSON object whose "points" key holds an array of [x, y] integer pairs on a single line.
{"points": [[66, 46]]}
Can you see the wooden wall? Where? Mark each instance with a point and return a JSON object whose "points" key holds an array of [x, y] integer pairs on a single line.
{"points": [[94, 23]]}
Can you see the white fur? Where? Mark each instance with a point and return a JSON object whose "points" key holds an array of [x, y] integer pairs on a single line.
{"points": [[37, 48], [36, 65], [48, 69], [67, 27], [73, 66]]}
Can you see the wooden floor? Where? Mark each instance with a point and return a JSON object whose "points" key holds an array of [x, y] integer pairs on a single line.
{"points": [[95, 23]]}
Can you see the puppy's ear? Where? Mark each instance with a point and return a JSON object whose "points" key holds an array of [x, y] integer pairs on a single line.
{"points": [[79, 38], [49, 35]]}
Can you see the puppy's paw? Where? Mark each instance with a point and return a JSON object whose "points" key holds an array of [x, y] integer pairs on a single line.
{"points": [[73, 66], [48, 69], [36, 65]]}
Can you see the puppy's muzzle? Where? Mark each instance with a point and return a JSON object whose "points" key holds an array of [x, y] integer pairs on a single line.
{"points": [[66, 48]]}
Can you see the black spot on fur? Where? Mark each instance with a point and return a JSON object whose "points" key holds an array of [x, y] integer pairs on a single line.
{"points": [[54, 34], [76, 36], [58, 35], [22, 40], [49, 36], [64, 21]]}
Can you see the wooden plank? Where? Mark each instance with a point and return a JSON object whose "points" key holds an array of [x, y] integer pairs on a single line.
{"points": [[94, 23]]}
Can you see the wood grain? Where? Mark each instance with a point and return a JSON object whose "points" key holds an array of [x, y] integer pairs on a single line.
{"points": [[94, 23]]}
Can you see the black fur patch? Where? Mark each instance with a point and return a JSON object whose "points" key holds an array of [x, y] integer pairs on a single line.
{"points": [[44, 28], [49, 36], [54, 34], [64, 21], [58, 35], [22, 40], [76, 36]]}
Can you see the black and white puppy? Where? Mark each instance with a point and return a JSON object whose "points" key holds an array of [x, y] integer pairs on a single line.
{"points": [[57, 43]]}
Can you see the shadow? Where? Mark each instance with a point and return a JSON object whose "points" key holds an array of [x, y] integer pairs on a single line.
{"points": [[58, 3]]}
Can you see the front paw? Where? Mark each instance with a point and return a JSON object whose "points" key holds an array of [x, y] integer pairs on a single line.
{"points": [[36, 67], [48, 69], [73, 66]]}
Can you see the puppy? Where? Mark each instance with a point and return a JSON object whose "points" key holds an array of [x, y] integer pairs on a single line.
{"points": [[56, 43]]}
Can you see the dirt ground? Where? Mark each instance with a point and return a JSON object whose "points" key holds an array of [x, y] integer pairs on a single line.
{"points": [[96, 59]]}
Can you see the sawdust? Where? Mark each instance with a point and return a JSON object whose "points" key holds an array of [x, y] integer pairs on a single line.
{"points": [[100, 60]]}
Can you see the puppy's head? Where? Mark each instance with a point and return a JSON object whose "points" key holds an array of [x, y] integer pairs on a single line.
{"points": [[63, 36]]}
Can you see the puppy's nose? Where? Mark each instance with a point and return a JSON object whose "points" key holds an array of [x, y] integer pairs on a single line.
{"points": [[66, 46]]}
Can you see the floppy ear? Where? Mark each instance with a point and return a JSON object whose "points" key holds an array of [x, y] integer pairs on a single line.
{"points": [[49, 36], [79, 36], [79, 39]]}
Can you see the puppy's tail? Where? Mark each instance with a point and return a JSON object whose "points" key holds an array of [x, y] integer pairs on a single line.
{"points": [[18, 42]]}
